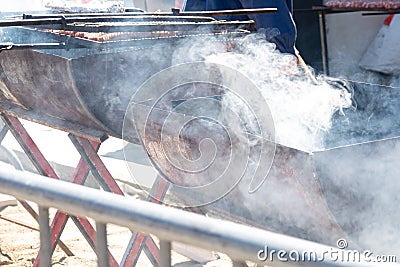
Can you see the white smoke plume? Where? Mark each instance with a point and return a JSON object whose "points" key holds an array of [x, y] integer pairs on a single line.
{"points": [[302, 110]]}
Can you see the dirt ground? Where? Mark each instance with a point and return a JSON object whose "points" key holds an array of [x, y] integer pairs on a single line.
{"points": [[20, 245]]}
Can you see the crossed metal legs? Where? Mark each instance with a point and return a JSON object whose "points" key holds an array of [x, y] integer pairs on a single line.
{"points": [[90, 161]]}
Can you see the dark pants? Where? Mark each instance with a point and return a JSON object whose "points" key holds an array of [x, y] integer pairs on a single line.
{"points": [[279, 28]]}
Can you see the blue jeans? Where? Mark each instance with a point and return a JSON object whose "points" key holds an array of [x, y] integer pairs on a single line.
{"points": [[279, 28]]}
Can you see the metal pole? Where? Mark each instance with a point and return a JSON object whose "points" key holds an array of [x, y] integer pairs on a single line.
{"points": [[12, 46], [45, 237], [101, 245], [324, 48], [234, 12], [58, 19], [165, 254], [3, 133], [240, 242], [239, 264]]}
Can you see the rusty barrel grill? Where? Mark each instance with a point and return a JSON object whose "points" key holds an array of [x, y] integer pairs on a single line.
{"points": [[62, 73], [47, 68]]}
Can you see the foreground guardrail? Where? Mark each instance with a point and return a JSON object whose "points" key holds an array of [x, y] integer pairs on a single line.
{"points": [[239, 242]]}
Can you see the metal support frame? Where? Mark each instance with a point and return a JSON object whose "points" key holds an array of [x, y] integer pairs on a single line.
{"points": [[165, 253], [36, 157], [11, 157], [43, 167], [3, 133], [101, 245], [90, 161], [140, 242], [324, 46], [45, 236]]}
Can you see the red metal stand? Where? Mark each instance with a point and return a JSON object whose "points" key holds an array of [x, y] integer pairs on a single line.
{"points": [[140, 242], [90, 161]]}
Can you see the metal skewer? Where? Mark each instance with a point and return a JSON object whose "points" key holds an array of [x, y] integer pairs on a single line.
{"points": [[174, 12]]}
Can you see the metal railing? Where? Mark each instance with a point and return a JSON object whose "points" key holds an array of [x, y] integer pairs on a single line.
{"points": [[239, 242]]}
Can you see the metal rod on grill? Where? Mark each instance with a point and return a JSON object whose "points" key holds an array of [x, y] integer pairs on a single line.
{"points": [[331, 10], [12, 46], [389, 12], [32, 22], [149, 27], [193, 16], [139, 18], [79, 15], [143, 18], [175, 12], [59, 22], [219, 13], [131, 26]]}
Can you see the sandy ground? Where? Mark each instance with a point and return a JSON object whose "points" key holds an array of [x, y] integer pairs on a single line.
{"points": [[20, 245]]}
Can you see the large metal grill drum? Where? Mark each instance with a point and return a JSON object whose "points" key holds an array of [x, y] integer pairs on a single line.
{"points": [[88, 83], [85, 86]]}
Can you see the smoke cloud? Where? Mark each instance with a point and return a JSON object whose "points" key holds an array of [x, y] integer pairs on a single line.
{"points": [[302, 111], [347, 192]]}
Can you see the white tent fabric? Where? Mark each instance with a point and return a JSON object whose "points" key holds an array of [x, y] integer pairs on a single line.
{"points": [[20, 5], [383, 54], [84, 6]]}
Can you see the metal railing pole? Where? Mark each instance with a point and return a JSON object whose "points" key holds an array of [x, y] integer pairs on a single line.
{"points": [[101, 245], [239, 242], [165, 253], [239, 264], [45, 237]]}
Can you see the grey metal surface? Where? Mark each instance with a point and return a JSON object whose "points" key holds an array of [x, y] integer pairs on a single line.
{"points": [[50, 92], [88, 92], [238, 241]]}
